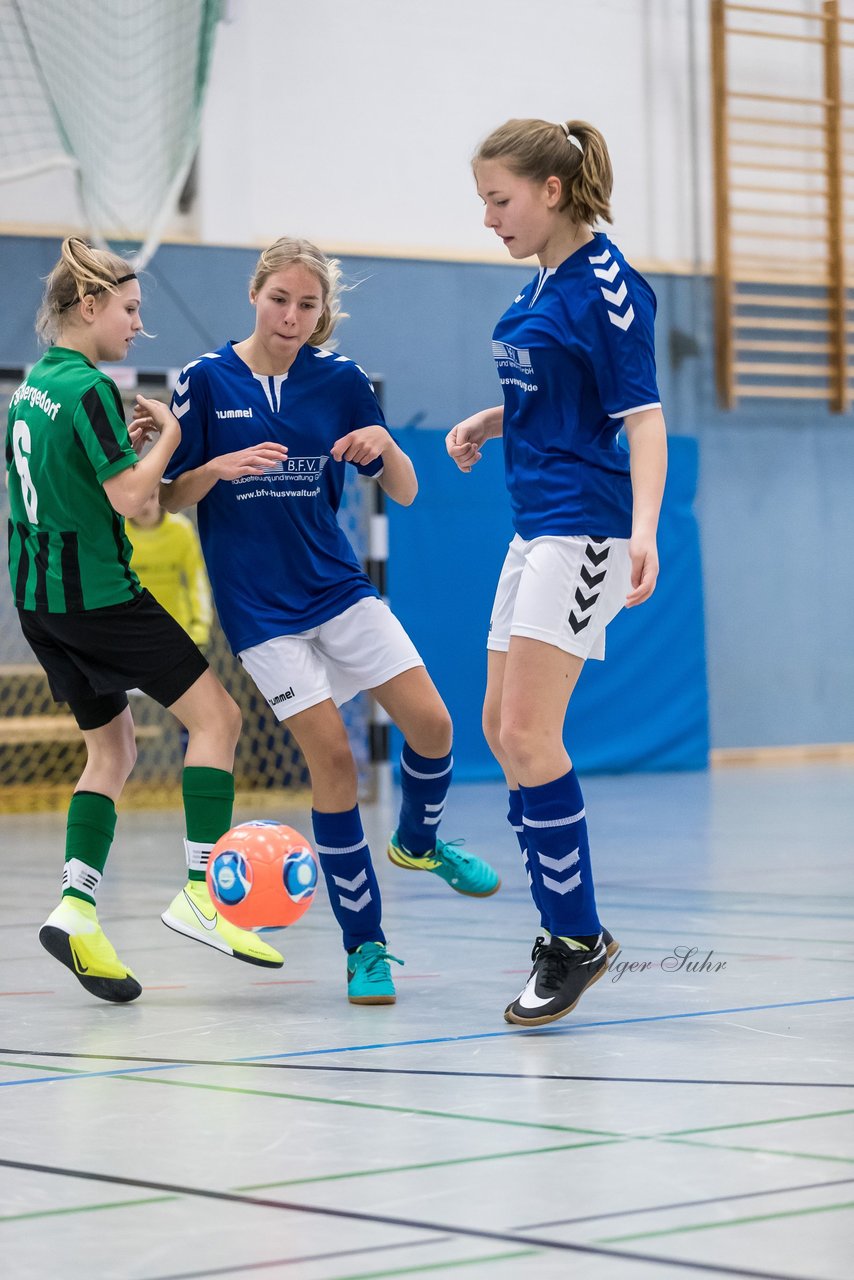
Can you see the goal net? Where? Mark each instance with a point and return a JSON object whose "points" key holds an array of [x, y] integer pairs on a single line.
{"points": [[113, 89]]}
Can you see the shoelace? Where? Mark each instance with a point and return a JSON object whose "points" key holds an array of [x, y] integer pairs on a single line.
{"points": [[373, 964], [450, 851]]}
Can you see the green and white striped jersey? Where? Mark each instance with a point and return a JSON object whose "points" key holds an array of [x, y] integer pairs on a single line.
{"points": [[66, 435]]}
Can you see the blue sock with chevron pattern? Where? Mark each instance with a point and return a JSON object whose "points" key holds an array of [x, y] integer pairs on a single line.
{"points": [[345, 860], [424, 783], [514, 817], [559, 856]]}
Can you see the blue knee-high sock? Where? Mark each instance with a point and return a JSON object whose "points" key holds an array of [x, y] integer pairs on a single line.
{"points": [[346, 863], [424, 783], [514, 817], [556, 835]]}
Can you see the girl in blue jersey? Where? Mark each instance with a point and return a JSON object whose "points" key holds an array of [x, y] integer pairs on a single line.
{"points": [[268, 425], [575, 357]]}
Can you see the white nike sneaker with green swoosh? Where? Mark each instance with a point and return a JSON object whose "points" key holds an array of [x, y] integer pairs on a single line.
{"points": [[193, 914]]}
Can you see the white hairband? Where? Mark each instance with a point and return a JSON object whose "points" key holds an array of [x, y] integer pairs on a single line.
{"points": [[571, 138]]}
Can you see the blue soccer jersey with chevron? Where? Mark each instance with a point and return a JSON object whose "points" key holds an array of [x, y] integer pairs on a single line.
{"points": [[575, 354], [278, 561]]}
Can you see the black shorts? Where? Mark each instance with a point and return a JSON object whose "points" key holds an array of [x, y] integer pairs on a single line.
{"points": [[92, 658]]}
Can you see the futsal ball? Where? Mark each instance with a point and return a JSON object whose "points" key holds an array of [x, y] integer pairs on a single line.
{"points": [[262, 875]]}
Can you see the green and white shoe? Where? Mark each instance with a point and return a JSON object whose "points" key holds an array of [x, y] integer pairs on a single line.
{"points": [[369, 976], [193, 914], [73, 936], [462, 871]]}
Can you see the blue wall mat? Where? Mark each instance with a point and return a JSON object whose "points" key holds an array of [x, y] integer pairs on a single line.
{"points": [[644, 708]]}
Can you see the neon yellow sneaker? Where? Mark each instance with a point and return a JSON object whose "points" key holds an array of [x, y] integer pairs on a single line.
{"points": [[73, 936], [192, 913]]}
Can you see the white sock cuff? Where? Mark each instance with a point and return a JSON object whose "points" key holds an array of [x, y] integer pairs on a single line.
{"points": [[197, 855], [80, 876]]}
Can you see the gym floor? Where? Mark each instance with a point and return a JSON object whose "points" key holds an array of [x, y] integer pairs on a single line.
{"points": [[693, 1116]]}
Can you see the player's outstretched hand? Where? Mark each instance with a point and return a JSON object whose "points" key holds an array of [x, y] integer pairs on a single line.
{"points": [[253, 461], [362, 446], [153, 417], [644, 557], [463, 442], [139, 436]]}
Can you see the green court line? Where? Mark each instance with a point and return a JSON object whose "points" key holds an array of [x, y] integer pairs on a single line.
{"points": [[323, 1177], [84, 1208], [732, 1222], [758, 1151], [438, 1266], [35, 1066], [429, 1164], [371, 1106], [753, 1124], [608, 1136]]}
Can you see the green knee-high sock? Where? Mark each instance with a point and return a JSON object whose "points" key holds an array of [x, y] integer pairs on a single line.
{"points": [[208, 804], [89, 832]]}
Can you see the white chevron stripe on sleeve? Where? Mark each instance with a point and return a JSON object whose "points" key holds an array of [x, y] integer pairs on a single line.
{"points": [[602, 257], [622, 322], [180, 409], [616, 299], [602, 274], [181, 388]]}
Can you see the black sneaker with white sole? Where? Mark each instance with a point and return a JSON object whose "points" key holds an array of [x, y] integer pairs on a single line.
{"points": [[560, 976]]}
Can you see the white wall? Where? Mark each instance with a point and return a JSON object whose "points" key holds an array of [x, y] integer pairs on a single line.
{"points": [[354, 123]]}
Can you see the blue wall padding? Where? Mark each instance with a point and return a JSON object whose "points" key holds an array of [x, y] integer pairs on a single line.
{"points": [[644, 708]]}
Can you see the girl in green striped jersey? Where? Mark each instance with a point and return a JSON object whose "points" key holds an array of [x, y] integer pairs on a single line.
{"points": [[74, 472]]}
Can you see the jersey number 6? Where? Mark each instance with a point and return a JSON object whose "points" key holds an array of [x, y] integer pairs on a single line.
{"points": [[21, 446]]}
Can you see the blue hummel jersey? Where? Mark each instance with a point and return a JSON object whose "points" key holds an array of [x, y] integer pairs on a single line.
{"points": [[575, 354], [278, 561]]}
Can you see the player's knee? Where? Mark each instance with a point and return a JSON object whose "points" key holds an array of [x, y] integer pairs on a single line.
{"points": [[224, 717], [233, 719], [491, 722], [520, 742], [434, 734]]}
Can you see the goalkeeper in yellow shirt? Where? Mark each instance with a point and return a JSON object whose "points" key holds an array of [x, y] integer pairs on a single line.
{"points": [[167, 559]]}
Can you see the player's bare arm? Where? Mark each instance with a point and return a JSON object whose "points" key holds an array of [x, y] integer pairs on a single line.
{"points": [[365, 445], [647, 437], [188, 489]]}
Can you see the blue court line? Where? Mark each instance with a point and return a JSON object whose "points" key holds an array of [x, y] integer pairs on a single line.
{"points": [[405, 1044]]}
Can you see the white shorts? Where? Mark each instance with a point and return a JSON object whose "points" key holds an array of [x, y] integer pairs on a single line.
{"points": [[359, 649], [563, 591]]}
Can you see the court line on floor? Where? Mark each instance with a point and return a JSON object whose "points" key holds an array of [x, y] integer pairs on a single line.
{"points": [[326, 1177], [683, 1204], [417, 1071], [474, 1233], [295, 1261], [362, 1275], [571, 1029], [757, 1151], [607, 1138], [733, 1222]]}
